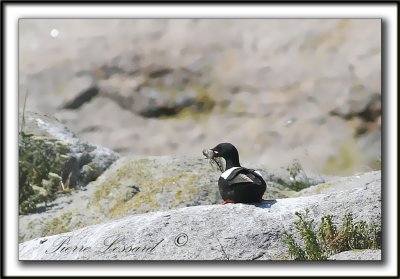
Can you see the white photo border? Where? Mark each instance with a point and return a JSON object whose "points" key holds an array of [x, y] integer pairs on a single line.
{"points": [[14, 11]]}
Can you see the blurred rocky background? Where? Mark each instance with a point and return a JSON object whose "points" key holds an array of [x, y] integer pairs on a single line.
{"points": [[278, 89]]}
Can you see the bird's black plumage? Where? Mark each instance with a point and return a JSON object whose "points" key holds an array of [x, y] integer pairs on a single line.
{"points": [[237, 184]]}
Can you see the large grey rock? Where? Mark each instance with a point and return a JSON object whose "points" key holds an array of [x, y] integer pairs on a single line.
{"points": [[211, 232]]}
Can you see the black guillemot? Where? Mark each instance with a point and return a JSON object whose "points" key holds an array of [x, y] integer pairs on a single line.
{"points": [[237, 184]]}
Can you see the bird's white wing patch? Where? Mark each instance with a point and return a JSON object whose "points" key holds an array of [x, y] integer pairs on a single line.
{"points": [[226, 173], [245, 177]]}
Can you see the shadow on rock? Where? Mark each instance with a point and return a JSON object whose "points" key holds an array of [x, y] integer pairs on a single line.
{"points": [[265, 203]]}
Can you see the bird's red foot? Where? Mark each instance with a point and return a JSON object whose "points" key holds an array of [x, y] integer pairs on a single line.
{"points": [[228, 201]]}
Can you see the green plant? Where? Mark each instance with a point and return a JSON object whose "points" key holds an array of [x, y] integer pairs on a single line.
{"points": [[23, 113], [41, 163], [352, 235], [328, 239]]}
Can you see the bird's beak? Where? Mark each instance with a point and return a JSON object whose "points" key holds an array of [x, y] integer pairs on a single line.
{"points": [[209, 153]]}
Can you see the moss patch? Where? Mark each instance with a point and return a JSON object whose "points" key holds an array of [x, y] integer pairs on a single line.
{"points": [[200, 106], [58, 224], [115, 181], [344, 162], [155, 194], [114, 196]]}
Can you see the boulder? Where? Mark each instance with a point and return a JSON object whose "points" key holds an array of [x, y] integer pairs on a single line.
{"points": [[208, 232]]}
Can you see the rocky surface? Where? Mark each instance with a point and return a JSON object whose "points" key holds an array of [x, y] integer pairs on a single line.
{"points": [[341, 184], [278, 89], [209, 232], [358, 255]]}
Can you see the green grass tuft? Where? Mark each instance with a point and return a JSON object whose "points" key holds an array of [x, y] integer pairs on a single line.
{"points": [[319, 244]]}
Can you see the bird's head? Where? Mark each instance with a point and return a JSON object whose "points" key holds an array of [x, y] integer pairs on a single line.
{"points": [[224, 150]]}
